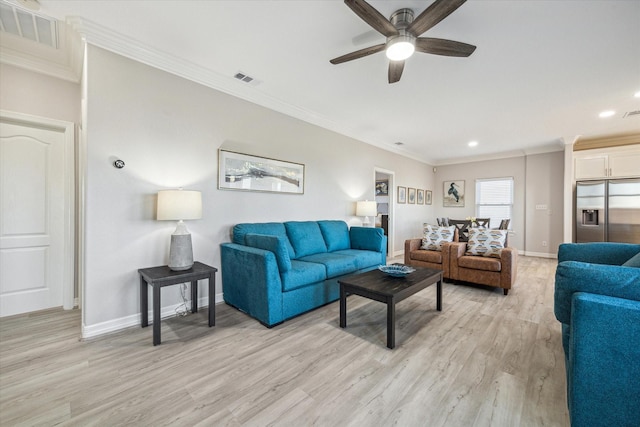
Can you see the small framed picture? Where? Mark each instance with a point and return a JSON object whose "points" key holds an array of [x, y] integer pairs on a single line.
{"points": [[411, 195], [453, 193], [402, 194], [428, 197], [420, 197]]}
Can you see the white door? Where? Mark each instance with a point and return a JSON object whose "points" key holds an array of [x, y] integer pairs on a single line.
{"points": [[35, 213]]}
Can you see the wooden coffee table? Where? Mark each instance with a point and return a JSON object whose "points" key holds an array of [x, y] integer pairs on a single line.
{"points": [[379, 286]]}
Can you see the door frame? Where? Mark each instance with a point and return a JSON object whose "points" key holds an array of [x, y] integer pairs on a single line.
{"points": [[392, 206], [68, 130]]}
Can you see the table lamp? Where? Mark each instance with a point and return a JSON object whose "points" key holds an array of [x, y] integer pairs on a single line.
{"points": [[180, 205], [366, 209]]}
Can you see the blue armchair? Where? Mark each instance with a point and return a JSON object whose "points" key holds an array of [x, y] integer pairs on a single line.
{"points": [[597, 300]]}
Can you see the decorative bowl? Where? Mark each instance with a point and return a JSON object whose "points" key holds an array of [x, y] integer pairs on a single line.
{"points": [[396, 270]]}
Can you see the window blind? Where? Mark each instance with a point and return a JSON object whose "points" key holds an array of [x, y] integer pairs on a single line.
{"points": [[494, 199]]}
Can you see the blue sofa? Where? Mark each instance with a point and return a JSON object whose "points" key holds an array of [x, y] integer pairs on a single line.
{"points": [[597, 300], [275, 271]]}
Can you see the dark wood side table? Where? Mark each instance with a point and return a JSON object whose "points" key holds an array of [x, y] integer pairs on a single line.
{"points": [[159, 277]]}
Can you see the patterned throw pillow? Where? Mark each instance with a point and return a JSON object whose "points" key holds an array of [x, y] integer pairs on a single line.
{"points": [[434, 237], [485, 242]]}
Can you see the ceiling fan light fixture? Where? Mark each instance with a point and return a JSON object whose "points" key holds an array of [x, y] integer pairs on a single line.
{"points": [[400, 47], [400, 51]]}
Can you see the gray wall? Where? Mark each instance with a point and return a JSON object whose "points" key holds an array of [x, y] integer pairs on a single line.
{"points": [[538, 180], [168, 131]]}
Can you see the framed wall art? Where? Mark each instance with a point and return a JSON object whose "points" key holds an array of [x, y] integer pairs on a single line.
{"points": [[382, 187], [420, 197], [402, 194], [428, 197], [411, 195], [453, 194], [244, 172]]}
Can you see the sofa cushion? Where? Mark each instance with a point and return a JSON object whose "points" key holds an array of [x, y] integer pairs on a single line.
{"points": [[335, 264], [275, 244], [485, 242], [302, 274], [364, 259], [434, 237], [305, 237], [434, 257], [268, 228], [335, 234], [634, 261], [479, 263]]}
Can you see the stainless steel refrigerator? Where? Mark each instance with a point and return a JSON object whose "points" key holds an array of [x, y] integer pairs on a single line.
{"points": [[608, 211]]}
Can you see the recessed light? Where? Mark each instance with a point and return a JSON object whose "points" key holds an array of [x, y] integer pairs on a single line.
{"points": [[637, 94], [607, 113], [399, 143], [472, 143]]}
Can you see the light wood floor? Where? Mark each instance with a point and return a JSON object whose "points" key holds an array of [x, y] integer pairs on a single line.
{"points": [[485, 360]]}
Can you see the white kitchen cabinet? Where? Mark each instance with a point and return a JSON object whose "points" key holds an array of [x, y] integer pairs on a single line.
{"points": [[618, 162]]}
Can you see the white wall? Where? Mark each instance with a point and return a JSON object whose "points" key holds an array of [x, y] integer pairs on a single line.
{"points": [[27, 92], [168, 131]]}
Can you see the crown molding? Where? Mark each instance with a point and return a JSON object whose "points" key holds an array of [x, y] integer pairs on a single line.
{"points": [[606, 141]]}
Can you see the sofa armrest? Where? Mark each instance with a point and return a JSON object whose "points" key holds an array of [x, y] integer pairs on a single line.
{"points": [[456, 250], [251, 282], [369, 239], [409, 246], [598, 252], [604, 369], [575, 276], [509, 266]]}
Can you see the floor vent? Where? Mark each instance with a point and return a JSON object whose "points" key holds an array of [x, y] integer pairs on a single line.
{"points": [[26, 24], [631, 113]]}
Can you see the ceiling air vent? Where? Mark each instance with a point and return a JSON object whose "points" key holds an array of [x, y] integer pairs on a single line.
{"points": [[631, 113], [24, 23], [243, 77]]}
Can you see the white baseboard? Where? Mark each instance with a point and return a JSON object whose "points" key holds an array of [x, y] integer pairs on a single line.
{"points": [[114, 325], [540, 254]]}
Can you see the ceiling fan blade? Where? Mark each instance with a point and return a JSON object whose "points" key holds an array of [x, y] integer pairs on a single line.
{"points": [[443, 47], [372, 17], [436, 12], [395, 71], [358, 54]]}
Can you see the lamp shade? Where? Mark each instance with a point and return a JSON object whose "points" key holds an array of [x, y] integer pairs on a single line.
{"points": [[179, 205], [366, 208]]}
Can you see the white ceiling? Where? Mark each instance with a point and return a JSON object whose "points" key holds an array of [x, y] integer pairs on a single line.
{"points": [[541, 73]]}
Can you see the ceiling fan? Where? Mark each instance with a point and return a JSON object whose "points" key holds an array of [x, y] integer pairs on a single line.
{"points": [[403, 34]]}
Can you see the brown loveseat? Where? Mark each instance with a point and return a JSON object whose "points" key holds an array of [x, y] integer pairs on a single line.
{"points": [[497, 272], [440, 260]]}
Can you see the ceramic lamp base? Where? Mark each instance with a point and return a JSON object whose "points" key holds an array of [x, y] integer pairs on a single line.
{"points": [[181, 252]]}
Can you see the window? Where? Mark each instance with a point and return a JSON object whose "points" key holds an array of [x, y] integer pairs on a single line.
{"points": [[494, 199]]}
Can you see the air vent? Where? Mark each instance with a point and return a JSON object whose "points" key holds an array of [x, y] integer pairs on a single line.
{"points": [[243, 77], [24, 23], [631, 113]]}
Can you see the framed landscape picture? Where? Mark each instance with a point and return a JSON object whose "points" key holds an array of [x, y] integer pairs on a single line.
{"points": [[402, 194], [245, 172], [411, 195], [453, 194], [428, 197], [420, 197]]}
